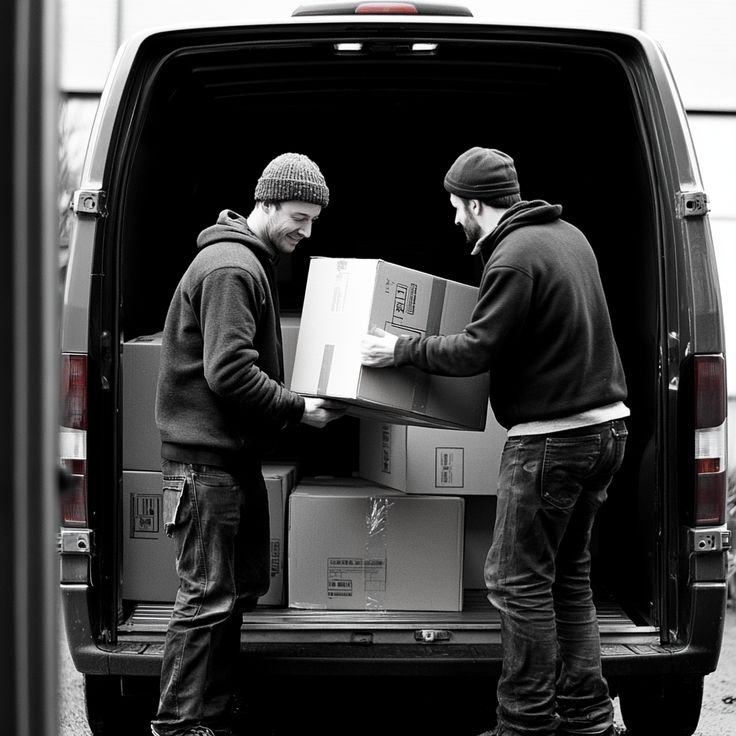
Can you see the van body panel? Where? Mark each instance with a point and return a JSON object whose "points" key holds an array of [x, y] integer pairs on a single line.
{"points": [[189, 117]]}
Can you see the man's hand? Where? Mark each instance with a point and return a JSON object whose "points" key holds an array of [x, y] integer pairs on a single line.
{"points": [[320, 412], [377, 349]]}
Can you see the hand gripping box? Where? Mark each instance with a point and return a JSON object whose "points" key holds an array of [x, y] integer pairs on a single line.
{"points": [[365, 547], [427, 460], [347, 297]]}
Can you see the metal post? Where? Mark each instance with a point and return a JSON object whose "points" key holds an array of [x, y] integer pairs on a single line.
{"points": [[28, 368]]}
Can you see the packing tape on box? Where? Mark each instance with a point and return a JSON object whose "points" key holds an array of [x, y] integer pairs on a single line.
{"points": [[434, 321], [376, 554]]}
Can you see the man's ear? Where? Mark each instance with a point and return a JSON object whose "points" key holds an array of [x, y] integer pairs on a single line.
{"points": [[475, 206]]}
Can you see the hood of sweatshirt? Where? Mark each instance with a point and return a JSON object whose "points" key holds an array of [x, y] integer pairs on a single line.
{"points": [[531, 212], [233, 228]]}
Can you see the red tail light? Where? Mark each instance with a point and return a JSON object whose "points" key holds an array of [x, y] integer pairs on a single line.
{"points": [[73, 438], [710, 440], [379, 8]]}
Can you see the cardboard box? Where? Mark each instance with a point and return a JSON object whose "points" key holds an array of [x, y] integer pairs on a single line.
{"points": [[480, 517], [149, 561], [141, 355], [149, 569], [425, 460], [289, 336], [347, 297], [141, 438], [280, 479], [369, 548]]}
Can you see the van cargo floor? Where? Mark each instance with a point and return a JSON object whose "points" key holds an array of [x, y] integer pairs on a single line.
{"points": [[477, 614]]}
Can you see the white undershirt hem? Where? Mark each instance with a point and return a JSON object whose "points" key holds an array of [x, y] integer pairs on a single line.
{"points": [[607, 413]]}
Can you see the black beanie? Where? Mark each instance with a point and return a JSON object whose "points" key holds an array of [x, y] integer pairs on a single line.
{"points": [[482, 173], [292, 177]]}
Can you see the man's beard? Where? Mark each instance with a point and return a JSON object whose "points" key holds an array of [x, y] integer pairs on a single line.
{"points": [[472, 233]]}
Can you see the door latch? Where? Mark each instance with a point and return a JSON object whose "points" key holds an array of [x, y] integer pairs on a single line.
{"points": [[692, 204], [428, 636], [89, 202]]}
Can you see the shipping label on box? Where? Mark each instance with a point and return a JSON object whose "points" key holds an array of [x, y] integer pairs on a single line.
{"points": [[427, 460], [363, 547], [347, 297], [348, 577]]}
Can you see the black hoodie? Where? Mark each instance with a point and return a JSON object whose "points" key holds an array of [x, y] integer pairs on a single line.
{"points": [[220, 387], [541, 326]]}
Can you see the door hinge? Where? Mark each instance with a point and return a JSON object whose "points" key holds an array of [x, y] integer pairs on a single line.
{"points": [[89, 202], [692, 204], [708, 539]]}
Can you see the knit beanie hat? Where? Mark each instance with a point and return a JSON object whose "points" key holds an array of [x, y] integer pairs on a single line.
{"points": [[482, 173], [292, 176]]}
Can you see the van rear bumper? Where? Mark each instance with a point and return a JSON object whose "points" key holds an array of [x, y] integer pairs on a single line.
{"points": [[285, 641]]}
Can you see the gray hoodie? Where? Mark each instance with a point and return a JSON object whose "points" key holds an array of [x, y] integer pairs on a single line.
{"points": [[220, 387]]}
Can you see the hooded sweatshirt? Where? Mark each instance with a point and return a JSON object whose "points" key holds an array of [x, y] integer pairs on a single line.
{"points": [[220, 394], [540, 328]]}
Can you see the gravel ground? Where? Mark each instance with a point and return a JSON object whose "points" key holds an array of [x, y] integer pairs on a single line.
{"points": [[718, 717]]}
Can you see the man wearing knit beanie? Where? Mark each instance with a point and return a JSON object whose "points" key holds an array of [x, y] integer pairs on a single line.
{"points": [[292, 177], [541, 330], [220, 403]]}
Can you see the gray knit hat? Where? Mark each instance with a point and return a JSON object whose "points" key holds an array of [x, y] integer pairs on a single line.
{"points": [[292, 176], [482, 173]]}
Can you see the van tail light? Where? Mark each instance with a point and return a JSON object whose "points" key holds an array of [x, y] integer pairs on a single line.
{"points": [[391, 7], [388, 7], [73, 438], [710, 440]]}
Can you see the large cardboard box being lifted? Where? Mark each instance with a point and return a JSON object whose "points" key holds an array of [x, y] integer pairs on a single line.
{"points": [[347, 297]]}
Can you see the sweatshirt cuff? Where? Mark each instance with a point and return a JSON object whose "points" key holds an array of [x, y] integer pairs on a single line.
{"points": [[402, 350], [296, 411]]}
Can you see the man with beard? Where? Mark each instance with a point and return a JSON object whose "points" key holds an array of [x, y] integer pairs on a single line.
{"points": [[541, 330]]}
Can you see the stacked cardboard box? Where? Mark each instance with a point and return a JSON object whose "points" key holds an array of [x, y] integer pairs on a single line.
{"points": [[425, 460], [140, 359], [149, 572], [356, 546], [280, 479]]}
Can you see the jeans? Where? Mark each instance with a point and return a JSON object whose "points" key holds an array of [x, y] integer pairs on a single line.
{"points": [[219, 524], [538, 577]]}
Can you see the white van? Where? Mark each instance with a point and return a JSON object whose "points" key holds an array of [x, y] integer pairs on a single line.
{"points": [[385, 102]]}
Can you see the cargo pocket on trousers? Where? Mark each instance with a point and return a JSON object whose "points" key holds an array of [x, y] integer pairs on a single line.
{"points": [[173, 489]]}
